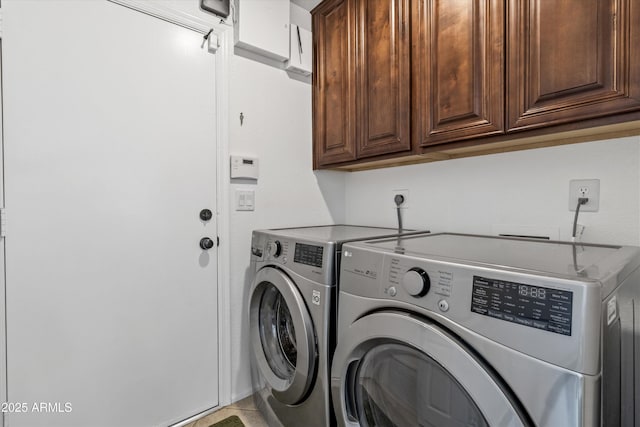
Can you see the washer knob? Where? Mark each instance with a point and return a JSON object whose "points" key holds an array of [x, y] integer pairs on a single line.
{"points": [[275, 248], [416, 282]]}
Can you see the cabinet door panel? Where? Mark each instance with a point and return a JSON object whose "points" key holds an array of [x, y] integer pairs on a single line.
{"points": [[383, 77], [458, 57], [334, 114], [570, 60]]}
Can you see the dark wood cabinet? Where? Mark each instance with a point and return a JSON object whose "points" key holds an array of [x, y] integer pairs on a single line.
{"points": [[458, 70], [334, 83], [383, 77], [571, 60], [405, 81], [361, 80]]}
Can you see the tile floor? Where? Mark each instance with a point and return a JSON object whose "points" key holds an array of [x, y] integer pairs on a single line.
{"points": [[244, 409]]}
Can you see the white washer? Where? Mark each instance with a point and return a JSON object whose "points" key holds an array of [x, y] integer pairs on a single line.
{"points": [[292, 319], [460, 330]]}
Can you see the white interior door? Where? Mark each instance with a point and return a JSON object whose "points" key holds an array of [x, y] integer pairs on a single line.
{"points": [[110, 154]]}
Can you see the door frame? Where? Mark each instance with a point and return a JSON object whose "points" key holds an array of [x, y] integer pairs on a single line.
{"points": [[222, 32], [3, 307]]}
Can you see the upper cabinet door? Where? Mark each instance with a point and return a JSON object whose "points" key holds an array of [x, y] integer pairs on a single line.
{"points": [[334, 99], [571, 60], [383, 78], [458, 70]]}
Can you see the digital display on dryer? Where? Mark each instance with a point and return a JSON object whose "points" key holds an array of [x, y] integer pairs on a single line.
{"points": [[308, 255], [533, 306]]}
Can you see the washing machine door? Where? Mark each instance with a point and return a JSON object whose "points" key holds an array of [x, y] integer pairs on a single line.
{"points": [[282, 334], [396, 369]]}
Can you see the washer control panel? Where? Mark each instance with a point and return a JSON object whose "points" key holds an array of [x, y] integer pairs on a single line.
{"points": [[416, 282], [274, 248], [518, 309], [460, 292], [534, 306]]}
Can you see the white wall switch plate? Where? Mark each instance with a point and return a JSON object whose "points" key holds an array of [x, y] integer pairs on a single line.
{"points": [[245, 200]]}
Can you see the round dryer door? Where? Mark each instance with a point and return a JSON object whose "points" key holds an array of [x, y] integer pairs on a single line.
{"points": [[395, 369], [282, 334]]}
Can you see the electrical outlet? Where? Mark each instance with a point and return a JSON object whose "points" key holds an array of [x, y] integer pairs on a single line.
{"points": [[589, 188], [405, 194]]}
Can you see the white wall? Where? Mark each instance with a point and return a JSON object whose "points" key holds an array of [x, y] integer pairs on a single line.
{"points": [[520, 191], [277, 130]]}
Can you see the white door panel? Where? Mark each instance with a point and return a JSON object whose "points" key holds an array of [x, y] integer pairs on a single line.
{"points": [[109, 158]]}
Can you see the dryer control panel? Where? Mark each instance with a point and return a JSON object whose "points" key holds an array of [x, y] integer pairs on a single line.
{"points": [[308, 254], [308, 259]]}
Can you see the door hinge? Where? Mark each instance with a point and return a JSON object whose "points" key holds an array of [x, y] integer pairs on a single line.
{"points": [[217, 240], [3, 222]]}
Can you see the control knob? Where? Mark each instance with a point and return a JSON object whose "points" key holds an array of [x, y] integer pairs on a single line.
{"points": [[274, 248], [416, 282]]}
